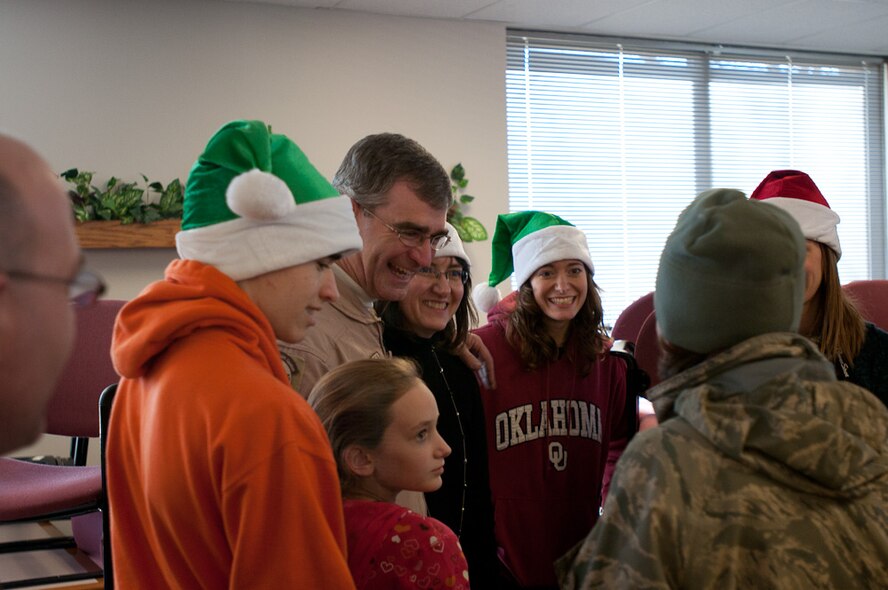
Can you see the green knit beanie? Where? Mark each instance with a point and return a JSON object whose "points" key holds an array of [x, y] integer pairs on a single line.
{"points": [[731, 269], [254, 203]]}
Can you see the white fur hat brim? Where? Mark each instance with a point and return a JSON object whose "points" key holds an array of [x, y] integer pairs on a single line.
{"points": [[244, 248], [455, 247], [818, 223], [545, 246]]}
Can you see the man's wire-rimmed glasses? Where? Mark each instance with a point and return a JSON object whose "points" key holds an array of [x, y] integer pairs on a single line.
{"points": [[413, 238]]}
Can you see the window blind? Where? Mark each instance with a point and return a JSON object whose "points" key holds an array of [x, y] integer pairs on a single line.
{"points": [[618, 136]]}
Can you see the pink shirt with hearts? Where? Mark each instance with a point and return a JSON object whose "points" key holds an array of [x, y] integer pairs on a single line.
{"points": [[391, 547]]}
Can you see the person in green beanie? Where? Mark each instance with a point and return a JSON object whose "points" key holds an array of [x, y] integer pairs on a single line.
{"points": [[556, 424], [218, 475], [765, 471]]}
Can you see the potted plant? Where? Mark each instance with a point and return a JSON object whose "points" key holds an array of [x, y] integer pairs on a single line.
{"points": [[468, 228], [122, 214]]}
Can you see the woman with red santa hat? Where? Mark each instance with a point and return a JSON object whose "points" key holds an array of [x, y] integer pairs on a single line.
{"points": [[858, 349]]}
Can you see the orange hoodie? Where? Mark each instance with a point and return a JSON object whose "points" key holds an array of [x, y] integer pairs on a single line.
{"points": [[219, 475]]}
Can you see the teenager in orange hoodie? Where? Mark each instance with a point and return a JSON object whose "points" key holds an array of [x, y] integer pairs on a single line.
{"points": [[218, 474]]}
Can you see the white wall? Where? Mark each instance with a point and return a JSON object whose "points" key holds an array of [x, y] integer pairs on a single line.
{"points": [[123, 88]]}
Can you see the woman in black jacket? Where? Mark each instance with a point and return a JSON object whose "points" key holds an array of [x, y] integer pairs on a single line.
{"points": [[428, 325]]}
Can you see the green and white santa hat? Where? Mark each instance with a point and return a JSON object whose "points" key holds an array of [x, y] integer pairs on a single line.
{"points": [[525, 241], [255, 204]]}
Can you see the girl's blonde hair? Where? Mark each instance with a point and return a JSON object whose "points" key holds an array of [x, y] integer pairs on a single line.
{"points": [[353, 402]]}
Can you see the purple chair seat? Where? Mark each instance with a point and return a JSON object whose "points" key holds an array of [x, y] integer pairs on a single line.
{"points": [[33, 489]]}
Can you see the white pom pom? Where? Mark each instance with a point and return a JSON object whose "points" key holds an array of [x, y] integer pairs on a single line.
{"points": [[485, 297], [259, 195]]}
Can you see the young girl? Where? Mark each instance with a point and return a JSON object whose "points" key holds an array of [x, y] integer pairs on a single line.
{"points": [[382, 424], [555, 423], [428, 326]]}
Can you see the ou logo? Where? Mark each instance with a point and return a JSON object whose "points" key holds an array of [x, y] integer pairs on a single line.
{"points": [[557, 456]]}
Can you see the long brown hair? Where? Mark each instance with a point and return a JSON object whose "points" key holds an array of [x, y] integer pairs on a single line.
{"points": [[586, 337], [353, 403], [840, 330]]}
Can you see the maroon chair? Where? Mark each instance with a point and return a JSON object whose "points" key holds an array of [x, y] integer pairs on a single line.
{"points": [[647, 348], [871, 299], [40, 492], [630, 320]]}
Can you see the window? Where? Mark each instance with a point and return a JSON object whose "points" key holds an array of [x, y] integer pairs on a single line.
{"points": [[619, 136]]}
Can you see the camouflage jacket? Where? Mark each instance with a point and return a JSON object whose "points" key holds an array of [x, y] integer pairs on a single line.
{"points": [[765, 472]]}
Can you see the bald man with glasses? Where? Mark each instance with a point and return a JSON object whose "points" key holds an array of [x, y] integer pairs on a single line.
{"points": [[41, 279]]}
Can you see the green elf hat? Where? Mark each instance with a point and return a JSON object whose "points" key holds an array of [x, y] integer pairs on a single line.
{"points": [[255, 204], [525, 241]]}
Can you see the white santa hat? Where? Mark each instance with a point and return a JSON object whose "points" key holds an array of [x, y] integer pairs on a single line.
{"points": [[454, 247]]}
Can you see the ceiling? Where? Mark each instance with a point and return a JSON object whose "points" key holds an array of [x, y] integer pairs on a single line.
{"points": [[837, 26]]}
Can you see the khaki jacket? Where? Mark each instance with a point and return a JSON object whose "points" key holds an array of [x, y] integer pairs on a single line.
{"points": [[345, 330]]}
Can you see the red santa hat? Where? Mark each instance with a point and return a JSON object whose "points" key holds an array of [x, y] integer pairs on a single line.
{"points": [[795, 192]]}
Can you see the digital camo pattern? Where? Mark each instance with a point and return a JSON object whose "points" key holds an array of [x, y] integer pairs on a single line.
{"points": [[765, 473]]}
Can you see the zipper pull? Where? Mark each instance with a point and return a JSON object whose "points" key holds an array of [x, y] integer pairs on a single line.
{"points": [[844, 366]]}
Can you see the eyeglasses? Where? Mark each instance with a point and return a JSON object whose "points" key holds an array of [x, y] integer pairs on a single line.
{"points": [[454, 276], [84, 288], [413, 238]]}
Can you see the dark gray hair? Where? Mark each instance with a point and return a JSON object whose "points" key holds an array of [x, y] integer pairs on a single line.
{"points": [[374, 164]]}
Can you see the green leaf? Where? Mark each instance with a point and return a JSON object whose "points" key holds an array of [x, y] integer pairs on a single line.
{"points": [[458, 173], [466, 199], [454, 215], [463, 234], [150, 214], [155, 186], [69, 174], [473, 228], [463, 183]]}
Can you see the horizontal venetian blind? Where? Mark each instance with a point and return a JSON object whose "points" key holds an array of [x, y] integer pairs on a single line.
{"points": [[619, 136]]}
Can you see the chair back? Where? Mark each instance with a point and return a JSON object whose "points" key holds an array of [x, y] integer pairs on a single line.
{"points": [[630, 320], [637, 383], [106, 402], [72, 410], [647, 348], [871, 299]]}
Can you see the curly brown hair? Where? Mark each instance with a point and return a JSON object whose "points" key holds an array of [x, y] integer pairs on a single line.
{"points": [[586, 337]]}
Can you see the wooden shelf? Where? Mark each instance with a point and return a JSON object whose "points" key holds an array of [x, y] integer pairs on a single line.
{"points": [[111, 234]]}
